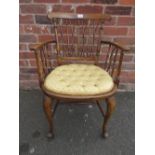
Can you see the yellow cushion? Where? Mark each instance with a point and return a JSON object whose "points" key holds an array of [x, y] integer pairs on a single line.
{"points": [[79, 79]]}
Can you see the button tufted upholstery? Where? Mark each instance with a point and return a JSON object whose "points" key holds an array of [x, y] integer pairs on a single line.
{"points": [[79, 79]]}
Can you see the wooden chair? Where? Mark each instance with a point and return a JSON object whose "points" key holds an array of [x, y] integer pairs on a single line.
{"points": [[79, 40]]}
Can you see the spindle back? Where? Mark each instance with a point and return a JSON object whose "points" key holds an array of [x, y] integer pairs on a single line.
{"points": [[78, 36]]}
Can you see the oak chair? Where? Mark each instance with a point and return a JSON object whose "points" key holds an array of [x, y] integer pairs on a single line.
{"points": [[88, 67]]}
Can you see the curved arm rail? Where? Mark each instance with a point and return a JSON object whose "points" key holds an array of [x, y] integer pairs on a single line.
{"points": [[114, 58], [43, 58]]}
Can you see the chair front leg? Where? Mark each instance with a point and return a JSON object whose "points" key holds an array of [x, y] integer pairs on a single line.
{"points": [[111, 104], [47, 106]]}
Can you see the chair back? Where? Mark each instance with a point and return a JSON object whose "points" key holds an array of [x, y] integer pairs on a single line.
{"points": [[78, 36]]}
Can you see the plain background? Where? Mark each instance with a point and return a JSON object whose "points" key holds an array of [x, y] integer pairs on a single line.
{"points": [[145, 77]]}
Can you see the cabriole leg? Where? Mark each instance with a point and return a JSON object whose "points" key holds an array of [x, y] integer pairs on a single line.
{"points": [[47, 106], [111, 104]]}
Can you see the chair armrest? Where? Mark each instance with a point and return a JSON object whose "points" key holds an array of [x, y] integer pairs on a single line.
{"points": [[114, 58], [40, 45], [115, 44], [43, 61]]}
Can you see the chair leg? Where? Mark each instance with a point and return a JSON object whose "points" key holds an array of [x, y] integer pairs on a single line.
{"points": [[100, 108], [55, 107], [47, 106], [111, 104]]}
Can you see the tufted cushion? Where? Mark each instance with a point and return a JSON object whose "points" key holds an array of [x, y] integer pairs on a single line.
{"points": [[79, 79]]}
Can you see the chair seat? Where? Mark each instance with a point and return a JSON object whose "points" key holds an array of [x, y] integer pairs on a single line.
{"points": [[79, 79]]}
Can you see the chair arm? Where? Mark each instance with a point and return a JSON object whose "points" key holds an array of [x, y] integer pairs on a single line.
{"points": [[114, 58], [115, 44], [42, 59], [40, 45]]}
